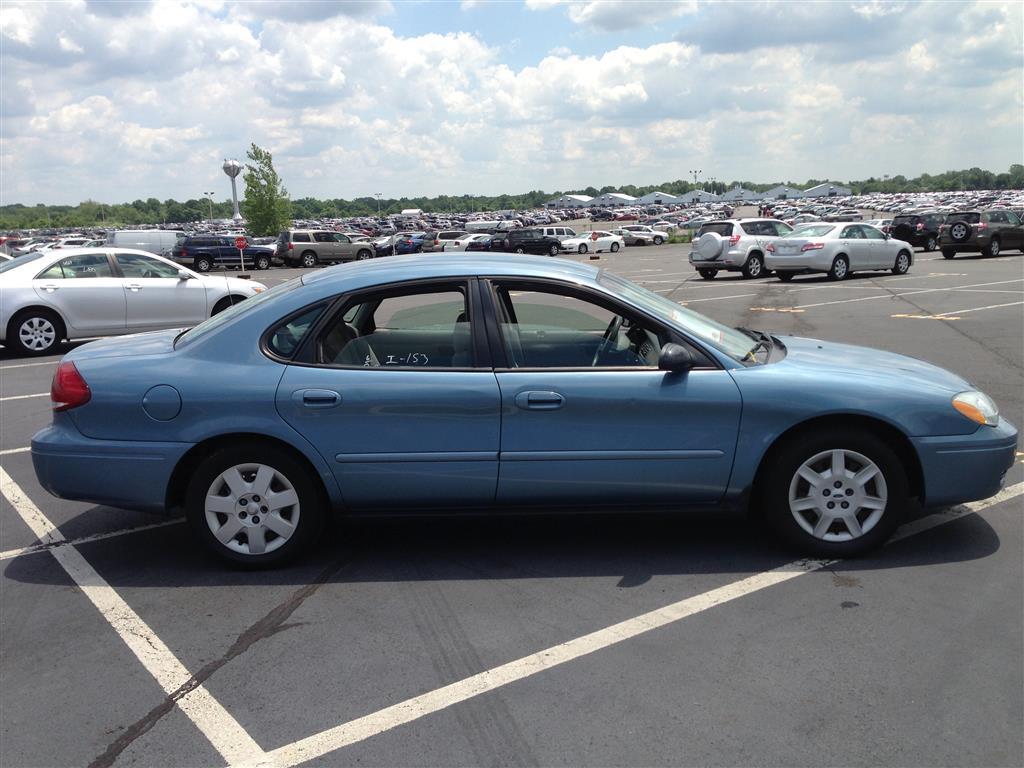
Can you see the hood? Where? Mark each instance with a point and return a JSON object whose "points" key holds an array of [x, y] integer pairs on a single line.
{"points": [[150, 343], [849, 361]]}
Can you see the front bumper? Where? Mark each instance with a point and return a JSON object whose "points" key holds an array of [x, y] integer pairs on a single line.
{"points": [[126, 474], [959, 468]]}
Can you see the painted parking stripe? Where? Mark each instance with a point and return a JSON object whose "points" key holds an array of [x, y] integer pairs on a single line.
{"points": [[225, 733], [27, 365], [24, 397], [10, 451], [905, 293], [33, 549], [425, 704], [954, 314]]}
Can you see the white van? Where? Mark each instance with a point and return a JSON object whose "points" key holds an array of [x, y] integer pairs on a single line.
{"points": [[153, 240], [562, 233]]}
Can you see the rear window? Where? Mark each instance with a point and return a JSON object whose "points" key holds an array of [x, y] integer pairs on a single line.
{"points": [[811, 230], [971, 218], [905, 220], [300, 237], [723, 228]]}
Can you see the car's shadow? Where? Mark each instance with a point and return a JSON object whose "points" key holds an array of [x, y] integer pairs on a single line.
{"points": [[631, 548]]}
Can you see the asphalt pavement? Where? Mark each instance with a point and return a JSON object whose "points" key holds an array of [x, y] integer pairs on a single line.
{"points": [[624, 640]]}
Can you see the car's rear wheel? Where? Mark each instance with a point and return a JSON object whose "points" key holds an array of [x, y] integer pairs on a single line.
{"points": [[254, 506], [363, 255], [520, 250], [840, 269], [614, 247], [309, 259], [35, 332], [785, 276], [902, 264], [835, 494], [582, 248], [202, 264], [993, 248], [658, 240], [948, 253], [754, 267], [707, 274], [262, 263], [931, 243], [553, 250]]}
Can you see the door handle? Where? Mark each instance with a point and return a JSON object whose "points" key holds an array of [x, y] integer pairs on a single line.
{"points": [[133, 286], [316, 398], [540, 401], [50, 287]]}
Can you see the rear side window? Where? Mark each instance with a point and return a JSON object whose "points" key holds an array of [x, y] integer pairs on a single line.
{"points": [[971, 218], [723, 228], [84, 266], [300, 237], [285, 339]]}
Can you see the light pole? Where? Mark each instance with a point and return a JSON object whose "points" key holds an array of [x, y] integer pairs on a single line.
{"points": [[378, 195], [232, 168], [209, 197], [696, 173]]}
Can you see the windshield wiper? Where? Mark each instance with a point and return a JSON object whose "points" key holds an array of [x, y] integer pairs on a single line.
{"points": [[763, 342]]}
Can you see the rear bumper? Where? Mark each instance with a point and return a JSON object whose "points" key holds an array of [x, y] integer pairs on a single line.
{"points": [[959, 468], [126, 474], [801, 263]]}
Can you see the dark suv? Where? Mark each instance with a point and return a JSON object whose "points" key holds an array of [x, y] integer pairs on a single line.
{"points": [[918, 229], [530, 240], [987, 232], [203, 252]]}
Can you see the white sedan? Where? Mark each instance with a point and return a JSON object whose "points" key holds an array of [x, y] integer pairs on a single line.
{"points": [[837, 249], [81, 293], [461, 243], [594, 242]]}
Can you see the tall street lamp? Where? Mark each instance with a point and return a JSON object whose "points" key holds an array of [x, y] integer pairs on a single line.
{"points": [[378, 195], [209, 197], [695, 175]]}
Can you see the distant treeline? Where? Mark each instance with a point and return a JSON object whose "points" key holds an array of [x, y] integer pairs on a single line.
{"points": [[91, 214]]}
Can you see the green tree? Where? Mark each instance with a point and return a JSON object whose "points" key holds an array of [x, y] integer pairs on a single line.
{"points": [[266, 207]]}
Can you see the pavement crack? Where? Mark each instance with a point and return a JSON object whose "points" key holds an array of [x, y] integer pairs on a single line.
{"points": [[271, 624]]}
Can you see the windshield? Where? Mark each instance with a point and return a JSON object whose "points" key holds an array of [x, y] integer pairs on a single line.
{"points": [[18, 261], [811, 230], [221, 318], [732, 342]]}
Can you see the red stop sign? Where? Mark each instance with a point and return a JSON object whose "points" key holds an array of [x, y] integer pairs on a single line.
{"points": [[240, 243], [593, 236]]}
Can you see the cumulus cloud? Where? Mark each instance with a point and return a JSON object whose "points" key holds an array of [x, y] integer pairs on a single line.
{"points": [[617, 15]]}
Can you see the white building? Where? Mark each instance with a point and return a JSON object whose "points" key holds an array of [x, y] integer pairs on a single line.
{"points": [[698, 196], [659, 198], [737, 194], [782, 192], [570, 201], [613, 200], [828, 189]]}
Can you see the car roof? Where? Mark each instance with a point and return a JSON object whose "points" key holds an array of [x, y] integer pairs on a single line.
{"points": [[416, 267]]}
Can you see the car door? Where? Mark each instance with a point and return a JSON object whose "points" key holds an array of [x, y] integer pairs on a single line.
{"points": [[1014, 231], [587, 416], [156, 296], [883, 253], [856, 247], [345, 249], [84, 289], [327, 248], [397, 395]]}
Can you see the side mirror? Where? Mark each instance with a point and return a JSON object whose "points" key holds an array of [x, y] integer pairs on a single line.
{"points": [[675, 358], [886, 235], [183, 275]]}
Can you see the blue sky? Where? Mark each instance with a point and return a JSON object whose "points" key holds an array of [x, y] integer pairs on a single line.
{"points": [[114, 101]]}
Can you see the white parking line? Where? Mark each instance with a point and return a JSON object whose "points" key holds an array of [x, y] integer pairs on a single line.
{"points": [[905, 293], [9, 451], [427, 703], [225, 733], [24, 397], [979, 309], [33, 549], [26, 365]]}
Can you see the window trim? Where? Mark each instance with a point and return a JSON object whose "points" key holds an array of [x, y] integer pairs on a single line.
{"points": [[584, 293], [111, 265]]}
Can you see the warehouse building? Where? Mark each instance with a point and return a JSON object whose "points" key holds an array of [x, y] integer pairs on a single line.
{"points": [[570, 201], [737, 194], [698, 196], [659, 198], [782, 192], [613, 200], [828, 189]]}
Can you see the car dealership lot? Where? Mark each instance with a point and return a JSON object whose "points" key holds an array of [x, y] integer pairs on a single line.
{"points": [[538, 640]]}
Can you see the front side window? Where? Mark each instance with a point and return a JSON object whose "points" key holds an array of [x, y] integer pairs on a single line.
{"points": [[85, 265], [134, 265], [548, 328], [872, 234], [426, 328]]}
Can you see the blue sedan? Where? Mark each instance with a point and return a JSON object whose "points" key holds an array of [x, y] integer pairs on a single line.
{"points": [[468, 383]]}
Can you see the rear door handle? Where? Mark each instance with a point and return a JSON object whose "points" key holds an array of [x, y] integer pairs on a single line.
{"points": [[50, 287], [133, 286], [316, 398], [539, 401]]}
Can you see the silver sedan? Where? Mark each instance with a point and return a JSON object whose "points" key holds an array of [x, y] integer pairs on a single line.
{"points": [[81, 293], [838, 249]]}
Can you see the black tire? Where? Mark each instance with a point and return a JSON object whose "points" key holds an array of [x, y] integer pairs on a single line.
{"points": [[960, 231], [363, 255], [582, 248], [707, 274], [902, 264], [780, 478], [754, 268], [785, 276], [948, 253], [840, 269], [520, 250], [553, 250], [614, 247], [261, 263], [658, 240], [993, 248], [931, 243], [308, 514], [202, 264], [35, 332], [309, 259]]}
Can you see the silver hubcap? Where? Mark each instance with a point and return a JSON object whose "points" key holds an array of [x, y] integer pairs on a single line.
{"points": [[252, 509], [902, 262], [994, 248], [755, 267], [37, 333], [840, 269], [838, 495], [958, 232]]}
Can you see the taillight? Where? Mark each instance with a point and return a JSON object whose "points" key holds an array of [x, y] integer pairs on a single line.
{"points": [[733, 239], [812, 247], [290, 246], [920, 226], [69, 389], [437, 243], [981, 226], [770, 248]]}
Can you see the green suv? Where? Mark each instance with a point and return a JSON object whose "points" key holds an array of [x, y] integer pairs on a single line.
{"points": [[987, 232]]}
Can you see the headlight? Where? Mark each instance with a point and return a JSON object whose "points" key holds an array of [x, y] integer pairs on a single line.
{"points": [[978, 407]]}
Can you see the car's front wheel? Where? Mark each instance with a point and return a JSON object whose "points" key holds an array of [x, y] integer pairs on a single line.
{"points": [[993, 248], [614, 247], [35, 332], [254, 506], [363, 255], [582, 248], [835, 494], [262, 263], [553, 250], [930, 244], [658, 240]]}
